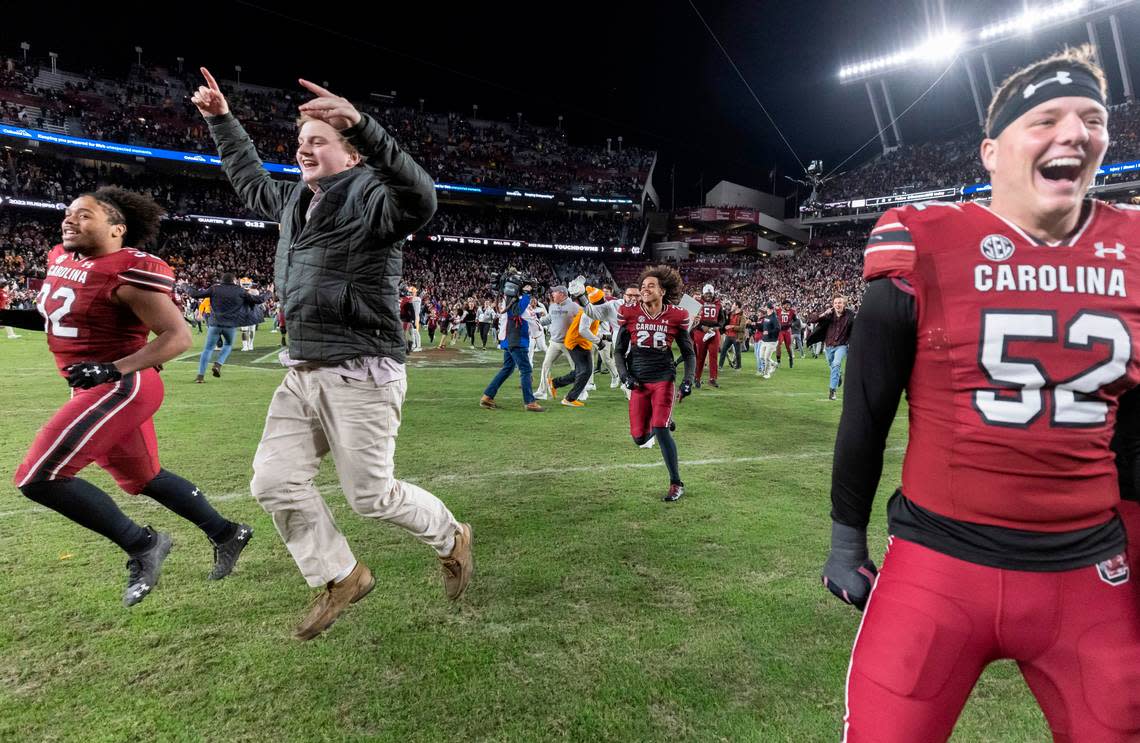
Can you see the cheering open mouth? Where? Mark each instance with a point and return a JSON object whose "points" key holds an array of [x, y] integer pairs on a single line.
{"points": [[1061, 169]]}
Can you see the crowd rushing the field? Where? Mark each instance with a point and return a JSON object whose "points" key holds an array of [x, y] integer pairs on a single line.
{"points": [[453, 147]]}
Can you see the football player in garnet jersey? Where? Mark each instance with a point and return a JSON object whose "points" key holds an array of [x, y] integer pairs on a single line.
{"points": [[706, 336], [100, 301], [1011, 329], [644, 358]]}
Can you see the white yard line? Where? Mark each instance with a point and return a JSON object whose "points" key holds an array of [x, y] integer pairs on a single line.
{"points": [[224, 497]]}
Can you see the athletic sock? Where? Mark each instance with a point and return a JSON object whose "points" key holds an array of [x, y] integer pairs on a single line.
{"points": [[91, 508], [186, 500], [669, 453]]}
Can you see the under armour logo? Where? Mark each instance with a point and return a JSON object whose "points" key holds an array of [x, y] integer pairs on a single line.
{"points": [[90, 372], [1063, 77], [196, 492], [140, 591], [242, 534], [1103, 252]]}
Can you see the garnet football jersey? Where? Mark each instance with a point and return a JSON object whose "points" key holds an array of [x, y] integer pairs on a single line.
{"points": [[651, 339], [1023, 351], [785, 317], [82, 322], [710, 314]]}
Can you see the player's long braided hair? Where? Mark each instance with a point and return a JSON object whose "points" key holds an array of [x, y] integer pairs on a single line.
{"points": [[669, 279], [139, 213]]}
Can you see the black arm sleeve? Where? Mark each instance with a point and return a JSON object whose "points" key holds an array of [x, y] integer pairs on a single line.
{"points": [[878, 368], [688, 355], [621, 348], [22, 319], [1126, 444]]}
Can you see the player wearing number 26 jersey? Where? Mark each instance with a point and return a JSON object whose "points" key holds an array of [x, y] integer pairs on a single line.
{"points": [[99, 303], [1014, 328], [643, 355]]}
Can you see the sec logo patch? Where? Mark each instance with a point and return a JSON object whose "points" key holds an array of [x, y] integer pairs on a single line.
{"points": [[997, 247]]}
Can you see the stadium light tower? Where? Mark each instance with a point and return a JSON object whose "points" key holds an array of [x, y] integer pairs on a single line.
{"points": [[237, 71], [138, 51], [25, 46], [949, 44]]}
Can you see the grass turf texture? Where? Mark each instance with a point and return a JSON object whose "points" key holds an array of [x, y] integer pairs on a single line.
{"points": [[597, 613]]}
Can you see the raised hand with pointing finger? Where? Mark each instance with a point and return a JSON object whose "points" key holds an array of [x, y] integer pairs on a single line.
{"points": [[208, 98], [334, 110]]}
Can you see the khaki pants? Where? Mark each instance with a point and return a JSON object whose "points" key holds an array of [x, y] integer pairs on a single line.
{"points": [[314, 413], [554, 351]]}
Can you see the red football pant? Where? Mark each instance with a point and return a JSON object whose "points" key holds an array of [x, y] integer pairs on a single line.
{"points": [[933, 622], [785, 339], [650, 406], [110, 425], [710, 348]]}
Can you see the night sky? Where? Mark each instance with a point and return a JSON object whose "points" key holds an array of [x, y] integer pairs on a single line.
{"points": [[648, 71]]}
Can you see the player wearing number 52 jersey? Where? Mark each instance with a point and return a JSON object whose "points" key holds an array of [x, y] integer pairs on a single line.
{"points": [[643, 355], [98, 304], [1013, 328]]}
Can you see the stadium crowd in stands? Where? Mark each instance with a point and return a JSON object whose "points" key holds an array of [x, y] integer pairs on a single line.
{"points": [[453, 147], [955, 161]]}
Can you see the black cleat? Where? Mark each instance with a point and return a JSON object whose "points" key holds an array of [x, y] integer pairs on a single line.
{"points": [[697, 384], [672, 425], [675, 492], [226, 553], [145, 566], [713, 383]]}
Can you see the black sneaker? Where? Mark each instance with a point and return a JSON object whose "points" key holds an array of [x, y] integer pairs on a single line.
{"points": [[713, 383], [144, 567], [217, 370], [226, 553], [697, 384], [675, 492]]}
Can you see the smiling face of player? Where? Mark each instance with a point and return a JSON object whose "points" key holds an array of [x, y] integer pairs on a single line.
{"points": [[322, 151], [652, 294], [1043, 162], [90, 229]]}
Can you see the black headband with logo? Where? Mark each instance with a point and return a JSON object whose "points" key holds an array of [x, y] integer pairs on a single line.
{"points": [[1074, 81]]}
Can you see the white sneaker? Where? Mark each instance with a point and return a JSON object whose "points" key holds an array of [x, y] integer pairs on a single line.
{"points": [[768, 376], [541, 396], [615, 384], [628, 394], [584, 395], [591, 386]]}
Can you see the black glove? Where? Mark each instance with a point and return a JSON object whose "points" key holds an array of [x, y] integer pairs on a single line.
{"points": [[630, 382], [685, 390], [601, 343], [88, 374], [848, 572]]}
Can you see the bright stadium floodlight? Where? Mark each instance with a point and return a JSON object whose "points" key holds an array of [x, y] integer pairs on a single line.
{"points": [[1032, 18], [934, 49]]}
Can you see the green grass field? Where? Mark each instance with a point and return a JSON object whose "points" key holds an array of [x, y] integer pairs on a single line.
{"points": [[597, 612]]}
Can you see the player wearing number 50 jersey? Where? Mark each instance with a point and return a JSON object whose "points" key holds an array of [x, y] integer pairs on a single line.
{"points": [[1014, 330], [643, 355], [100, 301]]}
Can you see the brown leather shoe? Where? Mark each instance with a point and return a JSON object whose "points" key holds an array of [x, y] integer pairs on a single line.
{"points": [[459, 566], [333, 600], [487, 402], [534, 407]]}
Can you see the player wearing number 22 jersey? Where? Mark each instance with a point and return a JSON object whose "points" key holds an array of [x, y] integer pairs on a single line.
{"points": [[99, 302], [643, 354], [1018, 346]]}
